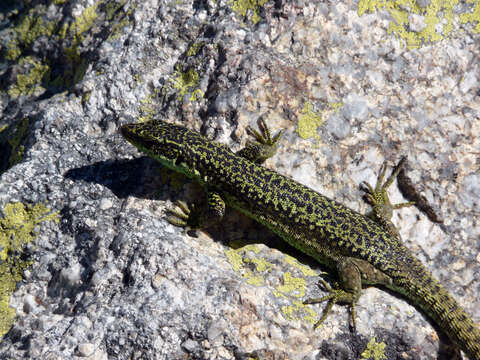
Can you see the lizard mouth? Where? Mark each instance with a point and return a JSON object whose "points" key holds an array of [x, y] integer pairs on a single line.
{"points": [[132, 134], [127, 131]]}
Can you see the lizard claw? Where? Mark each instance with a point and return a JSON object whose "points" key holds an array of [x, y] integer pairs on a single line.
{"points": [[335, 295], [180, 214]]}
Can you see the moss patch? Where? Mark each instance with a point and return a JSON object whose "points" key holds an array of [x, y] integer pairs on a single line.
{"points": [[17, 228]]}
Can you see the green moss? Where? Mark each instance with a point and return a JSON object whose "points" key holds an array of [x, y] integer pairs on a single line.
{"points": [[246, 7], [437, 12], [374, 350], [308, 122], [17, 228], [59, 2], [30, 82]]}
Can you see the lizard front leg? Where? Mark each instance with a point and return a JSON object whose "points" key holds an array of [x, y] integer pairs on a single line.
{"points": [[198, 217], [263, 146]]}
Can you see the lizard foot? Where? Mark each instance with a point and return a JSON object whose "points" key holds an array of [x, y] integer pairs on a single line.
{"points": [[180, 215], [335, 295], [263, 145], [378, 197]]}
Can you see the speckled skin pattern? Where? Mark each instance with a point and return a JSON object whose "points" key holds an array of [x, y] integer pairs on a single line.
{"points": [[360, 249]]}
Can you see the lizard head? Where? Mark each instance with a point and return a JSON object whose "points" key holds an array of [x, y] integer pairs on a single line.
{"points": [[168, 143]]}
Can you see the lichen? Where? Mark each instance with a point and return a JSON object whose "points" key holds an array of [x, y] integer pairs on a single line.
{"points": [[29, 28], [239, 256], [438, 17], [474, 16], [83, 23], [17, 228], [298, 310], [184, 81], [308, 122], [112, 12], [194, 48], [30, 83], [374, 350], [246, 7]]}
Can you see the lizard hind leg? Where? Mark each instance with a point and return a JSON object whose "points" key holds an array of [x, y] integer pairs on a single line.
{"points": [[352, 274], [347, 292]]}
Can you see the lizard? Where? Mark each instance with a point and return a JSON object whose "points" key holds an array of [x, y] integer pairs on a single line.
{"points": [[360, 249]]}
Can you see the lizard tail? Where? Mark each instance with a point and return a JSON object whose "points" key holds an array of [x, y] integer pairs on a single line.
{"points": [[426, 292]]}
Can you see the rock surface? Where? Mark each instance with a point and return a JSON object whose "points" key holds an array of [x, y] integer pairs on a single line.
{"points": [[352, 83]]}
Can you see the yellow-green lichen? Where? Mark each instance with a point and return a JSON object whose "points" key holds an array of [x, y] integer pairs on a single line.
{"points": [[306, 271], [336, 105], [17, 228], [438, 18], [473, 16], [299, 311], [30, 82], [292, 286], [83, 22], [196, 95], [241, 256], [374, 350], [184, 81], [247, 8], [308, 122], [147, 108], [29, 28], [194, 48], [120, 18], [13, 51]]}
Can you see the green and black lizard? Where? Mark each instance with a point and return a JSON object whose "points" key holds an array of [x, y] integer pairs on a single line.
{"points": [[362, 250]]}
